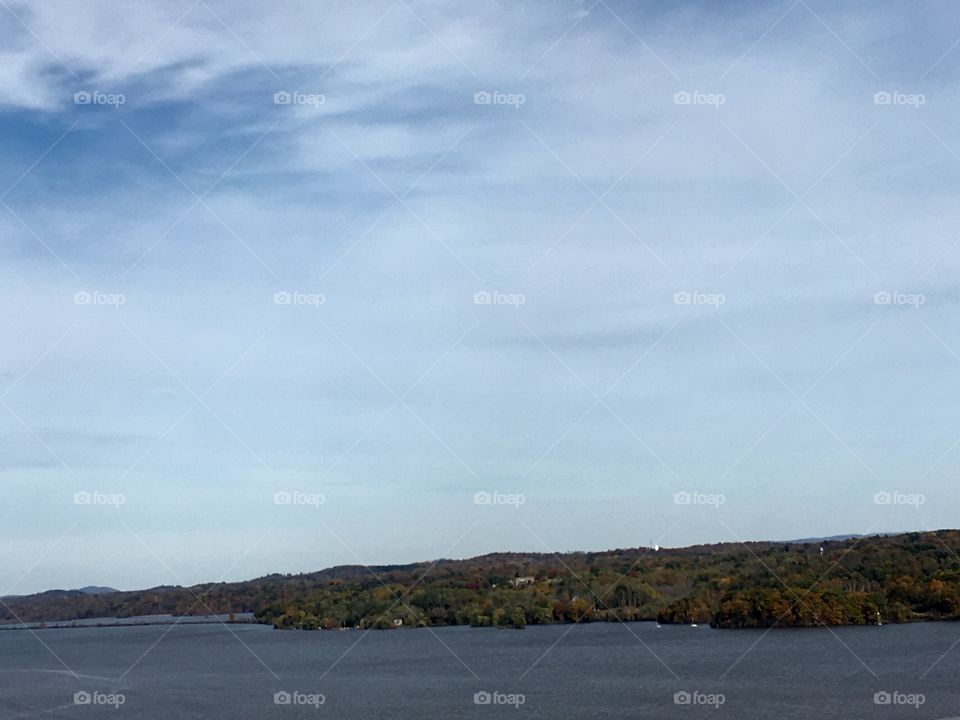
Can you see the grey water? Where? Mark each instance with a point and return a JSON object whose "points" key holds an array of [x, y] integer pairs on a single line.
{"points": [[614, 670]]}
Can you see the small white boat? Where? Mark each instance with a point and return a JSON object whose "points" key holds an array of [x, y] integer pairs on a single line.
{"points": [[693, 625]]}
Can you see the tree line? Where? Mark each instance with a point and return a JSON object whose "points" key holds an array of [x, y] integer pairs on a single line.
{"points": [[901, 578]]}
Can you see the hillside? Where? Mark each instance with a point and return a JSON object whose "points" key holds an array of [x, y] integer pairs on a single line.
{"points": [[908, 577]]}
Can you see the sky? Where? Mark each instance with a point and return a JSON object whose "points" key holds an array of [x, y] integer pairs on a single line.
{"points": [[286, 286]]}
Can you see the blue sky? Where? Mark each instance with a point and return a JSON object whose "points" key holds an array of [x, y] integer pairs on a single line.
{"points": [[720, 245]]}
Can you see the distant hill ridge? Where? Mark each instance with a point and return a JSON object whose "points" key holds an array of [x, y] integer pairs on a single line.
{"points": [[88, 590], [820, 581], [830, 538]]}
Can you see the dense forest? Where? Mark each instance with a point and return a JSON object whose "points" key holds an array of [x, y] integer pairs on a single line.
{"points": [[897, 578]]}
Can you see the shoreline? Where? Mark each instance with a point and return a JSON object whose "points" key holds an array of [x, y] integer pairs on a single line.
{"points": [[139, 621], [211, 620]]}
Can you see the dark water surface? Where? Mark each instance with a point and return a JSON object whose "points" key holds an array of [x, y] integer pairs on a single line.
{"points": [[562, 671]]}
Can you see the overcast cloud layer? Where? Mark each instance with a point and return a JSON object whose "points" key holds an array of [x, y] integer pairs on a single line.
{"points": [[246, 251]]}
